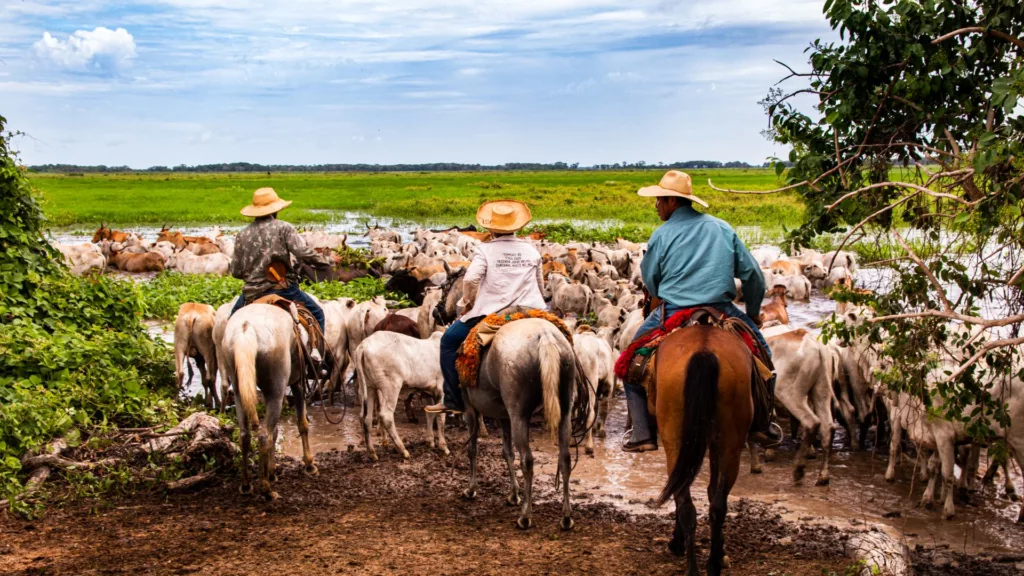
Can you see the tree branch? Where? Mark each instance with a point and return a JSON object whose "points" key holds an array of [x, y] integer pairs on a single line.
{"points": [[777, 190], [924, 268], [973, 320], [985, 349], [985, 31]]}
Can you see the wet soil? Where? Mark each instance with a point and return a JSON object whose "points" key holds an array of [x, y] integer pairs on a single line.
{"points": [[391, 517]]}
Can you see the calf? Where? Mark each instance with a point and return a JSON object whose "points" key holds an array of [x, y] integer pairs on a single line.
{"points": [[774, 311], [385, 363], [786, 267], [550, 266], [193, 339]]}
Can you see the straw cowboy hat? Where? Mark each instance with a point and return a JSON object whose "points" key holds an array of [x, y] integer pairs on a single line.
{"points": [[673, 183], [264, 203], [503, 216]]}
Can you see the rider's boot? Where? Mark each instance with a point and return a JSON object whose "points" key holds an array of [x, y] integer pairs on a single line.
{"points": [[769, 434], [644, 437]]}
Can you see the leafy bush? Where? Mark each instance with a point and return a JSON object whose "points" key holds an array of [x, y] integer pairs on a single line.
{"points": [[164, 294], [359, 289], [73, 351]]}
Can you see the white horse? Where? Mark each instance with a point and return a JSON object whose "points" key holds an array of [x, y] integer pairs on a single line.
{"points": [[261, 353]]}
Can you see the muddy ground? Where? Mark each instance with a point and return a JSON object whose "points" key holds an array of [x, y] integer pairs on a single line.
{"points": [[396, 517], [387, 518]]}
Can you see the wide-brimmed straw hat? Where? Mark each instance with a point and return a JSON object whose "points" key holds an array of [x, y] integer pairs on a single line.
{"points": [[503, 216], [673, 183], [264, 203]]}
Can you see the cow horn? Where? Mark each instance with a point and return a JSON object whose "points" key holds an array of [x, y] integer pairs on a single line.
{"points": [[344, 242]]}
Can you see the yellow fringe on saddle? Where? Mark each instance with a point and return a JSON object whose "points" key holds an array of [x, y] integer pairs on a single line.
{"points": [[468, 362]]}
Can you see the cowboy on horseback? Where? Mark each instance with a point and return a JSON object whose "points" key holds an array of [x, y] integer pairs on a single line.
{"points": [[692, 261], [505, 272], [264, 252]]}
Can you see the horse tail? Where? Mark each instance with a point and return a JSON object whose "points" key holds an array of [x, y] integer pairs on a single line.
{"points": [[550, 377], [700, 398], [246, 347]]}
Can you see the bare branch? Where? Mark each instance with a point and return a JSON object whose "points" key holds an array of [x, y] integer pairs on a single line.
{"points": [[924, 268], [908, 185], [985, 349], [777, 190], [972, 320], [980, 30], [863, 222], [952, 141]]}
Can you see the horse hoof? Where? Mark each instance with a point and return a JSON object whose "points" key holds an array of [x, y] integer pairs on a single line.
{"points": [[566, 524], [947, 516], [514, 500], [445, 451], [1012, 497], [271, 496], [589, 451], [373, 456], [273, 477], [822, 482], [524, 523], [469, 494], [676, 548], [756, 470], [405, 454], [889, 480], [312, 470], [798, 474], [245, 489], [770, 455]]}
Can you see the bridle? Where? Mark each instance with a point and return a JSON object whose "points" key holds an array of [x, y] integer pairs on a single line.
{"points": [[441, 311]]}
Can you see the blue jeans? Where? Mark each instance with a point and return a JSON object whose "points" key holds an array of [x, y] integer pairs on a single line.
{"points": [[654, 319], [292, 293], [453, 337]]}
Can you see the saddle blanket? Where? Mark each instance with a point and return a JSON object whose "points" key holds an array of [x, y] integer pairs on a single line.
{"points": [[646, 344], [468, 360]]}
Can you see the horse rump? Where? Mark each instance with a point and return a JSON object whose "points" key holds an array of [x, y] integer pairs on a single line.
{"points": [[700, 398]]}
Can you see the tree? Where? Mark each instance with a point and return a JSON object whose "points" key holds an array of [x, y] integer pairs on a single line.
{"points": [[917, 159]]}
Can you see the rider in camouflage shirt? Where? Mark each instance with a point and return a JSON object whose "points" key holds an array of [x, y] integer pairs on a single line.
{"points": [[271, 241]]}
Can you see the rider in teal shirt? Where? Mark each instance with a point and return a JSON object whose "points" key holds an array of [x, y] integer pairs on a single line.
{"points": [[692, 260]]}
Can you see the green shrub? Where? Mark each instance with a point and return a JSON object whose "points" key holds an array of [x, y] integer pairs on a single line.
{"points": [[164, 294]]}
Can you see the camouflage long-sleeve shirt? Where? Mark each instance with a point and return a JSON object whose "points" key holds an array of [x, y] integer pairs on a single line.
{"points": [[265, 241]]}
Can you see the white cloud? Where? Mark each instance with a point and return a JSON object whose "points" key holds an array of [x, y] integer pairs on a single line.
{"points": [[100, 49]]}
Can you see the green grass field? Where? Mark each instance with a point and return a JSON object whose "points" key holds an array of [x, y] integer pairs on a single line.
{"points": [[429, 198]]}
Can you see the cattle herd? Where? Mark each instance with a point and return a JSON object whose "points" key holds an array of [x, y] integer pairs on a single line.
{"points": [[598, 290]]}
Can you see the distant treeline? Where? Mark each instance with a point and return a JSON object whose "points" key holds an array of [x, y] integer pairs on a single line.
{"points": [[433, 167]]}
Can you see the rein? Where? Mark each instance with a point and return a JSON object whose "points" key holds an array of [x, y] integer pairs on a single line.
{"points": [[440, 311]]}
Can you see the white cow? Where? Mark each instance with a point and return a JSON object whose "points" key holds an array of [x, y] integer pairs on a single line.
{"points": [[569, 297], [806, 369], [188, 263], [385, 363]]}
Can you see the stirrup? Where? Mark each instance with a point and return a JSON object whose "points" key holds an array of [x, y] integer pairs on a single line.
{"points": [[768, 438]]}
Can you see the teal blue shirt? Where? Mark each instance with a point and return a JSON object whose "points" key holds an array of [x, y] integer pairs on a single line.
{"points": [[693, 258]]}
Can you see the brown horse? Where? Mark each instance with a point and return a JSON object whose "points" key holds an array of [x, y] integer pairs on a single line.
{"points": [[703, 404]]}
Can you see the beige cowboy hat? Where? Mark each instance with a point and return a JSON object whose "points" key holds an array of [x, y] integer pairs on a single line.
{"points": [[673, 183], [264, 203], [503, 216]]}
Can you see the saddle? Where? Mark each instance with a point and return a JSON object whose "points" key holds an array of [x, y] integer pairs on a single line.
{"points": [[468, 361], [302, 317], [635, 365]]}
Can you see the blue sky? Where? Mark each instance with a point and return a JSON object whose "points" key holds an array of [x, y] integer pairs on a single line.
{"points": [[316, 81]]}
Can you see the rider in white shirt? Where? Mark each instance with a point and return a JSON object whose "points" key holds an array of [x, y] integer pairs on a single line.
{"points": [[505, 272]]}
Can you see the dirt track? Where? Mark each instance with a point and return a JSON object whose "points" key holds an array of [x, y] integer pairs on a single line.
{"points": [[391, 517]]}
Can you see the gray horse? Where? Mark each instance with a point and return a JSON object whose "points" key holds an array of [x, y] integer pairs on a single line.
{"points": [[261, 353], [529, 363]]}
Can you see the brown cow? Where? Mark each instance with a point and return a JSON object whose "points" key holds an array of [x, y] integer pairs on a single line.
{"points": [[774, 311], [549, 266], [398, 323], [104, 233], [179, 240], [537, 235], [203, 249], [128, 262], [786, 268]]}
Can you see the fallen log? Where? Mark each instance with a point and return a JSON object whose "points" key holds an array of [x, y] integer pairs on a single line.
{"points": [[57, 461], [201, 425]]}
